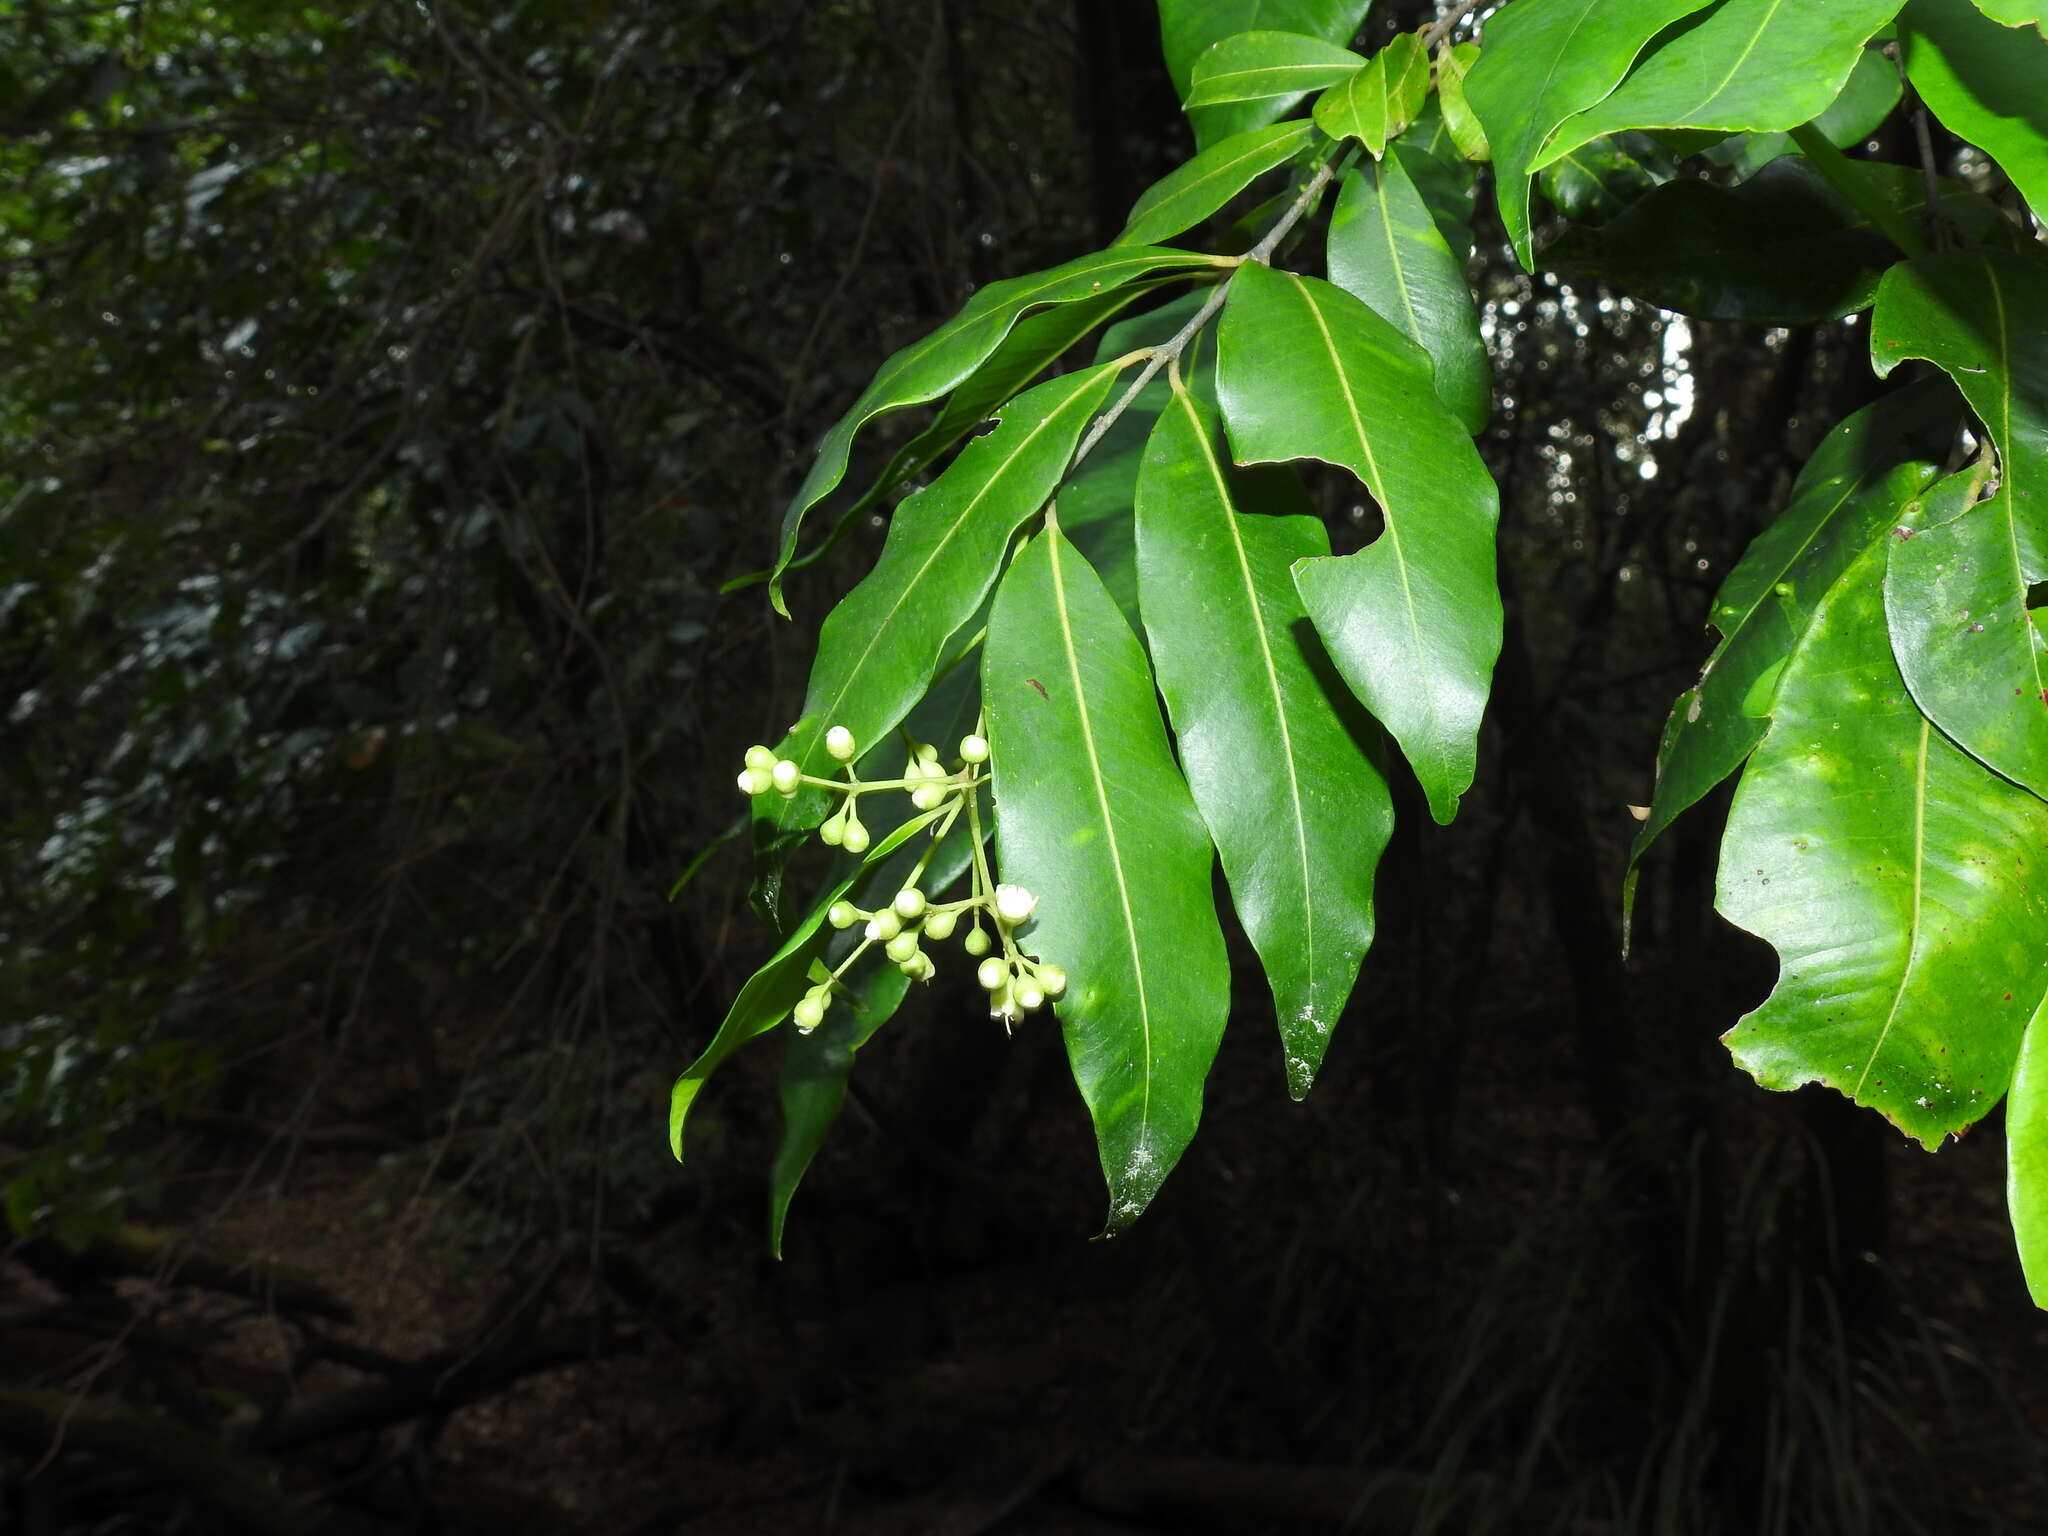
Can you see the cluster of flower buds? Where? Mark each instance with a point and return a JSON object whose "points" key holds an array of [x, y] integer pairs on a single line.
{"points": [[1016, 984]]}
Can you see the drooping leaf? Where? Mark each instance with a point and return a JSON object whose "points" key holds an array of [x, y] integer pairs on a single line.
{"points": [[1385, 248], [1375, 103], [1544, 60], [1783, 247], [879, 647], [1901, 882], [1256, 67], [1744, 65], [1859, 485], [1413, 621], [1981, 316], [1866, 99], [1188, 28], [1955, 596], [1467, 133], [2026, 1155], [1096, 821], [1096, 502], [1603, 178], [1184, 197], [926, 369], [1985, 81], [772, 991], [1299, 811]]}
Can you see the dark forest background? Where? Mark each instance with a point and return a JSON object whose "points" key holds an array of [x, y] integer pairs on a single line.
{"points": [[386, 393]]}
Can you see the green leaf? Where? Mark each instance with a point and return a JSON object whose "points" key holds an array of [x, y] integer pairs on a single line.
{"points": [[1783, 247], [1375, 103], [1183, 198], [1603, 178], [1385, 248], [1955, 596], [1899, 880], [1096, 821], [2026, 1155], [1858, 485], [1299, 810], [1543, 61], [772, 991], [1981, 316], [1452, 65], [1986, 82], [879, 648], [1188, 28], [1868, 97], [2017, 13], [1745, 65], [1259, 67], [926, 369], [1413, 621]]}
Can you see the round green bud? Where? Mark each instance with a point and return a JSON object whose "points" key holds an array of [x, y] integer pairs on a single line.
{"points": [[856, 838], [909, 903], [841, 914], [928, 753], [761, 758], [902, 947], [786, 776], [977, 941], [834, 831], [755, 782], [884, 925], [839, 742], [992, 973], [918, 967], [1053, 979], [927, 797], [1030, 997], [940, 925], [810, 1013], [973, 749]]}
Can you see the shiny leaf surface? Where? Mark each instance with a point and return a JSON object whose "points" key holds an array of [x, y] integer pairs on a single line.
{"points": [[1986, 82], [1866, 99], [1413, 621], [1544, 60], [1385, 248], [1184, 197], [1188, 28], [1096, 821], [1255, 67], [1377, 102], [1900, 881], [1299, 811], [2026, 1155], [1467, 133]]}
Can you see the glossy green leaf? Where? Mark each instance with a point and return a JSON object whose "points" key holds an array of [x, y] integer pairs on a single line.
{"points": [[2026, 1155], [880, 646], [1413, 621], [1543, 61], [1299, 811], [1745, 65], [1955, 597], [1783, 247], [1602, 179], [1981, 316], [1986, 82], [772, 991], [1901, 882], [1859, 484], [1385, 248], [1375, 103], [1467, 132], [1096, 821], [1189, 28], [1184, 197], [1866, 99], [1255, 67], [2017, 13], [927, 369], [1096, 503]]}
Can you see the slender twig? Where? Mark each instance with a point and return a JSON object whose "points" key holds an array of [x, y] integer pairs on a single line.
{"points": [[1444, 23], [1169, 351], [1927, 170]]}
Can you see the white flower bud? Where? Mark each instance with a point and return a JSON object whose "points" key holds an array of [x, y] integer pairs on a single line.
{"points": [[761, 758], [909, 903], [1053, 979], [755, 782], [940, 925], [884, 925], [902, 947], [810, 1013], [1029, 997], [841, 914], [786, 776], [839, 742], [927, 797], [1014, 904], [856, 838], [992, 973], [973, 749]]}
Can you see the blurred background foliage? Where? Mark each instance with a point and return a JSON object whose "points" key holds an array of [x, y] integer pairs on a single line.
{"points": [[385, 394]]}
